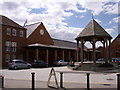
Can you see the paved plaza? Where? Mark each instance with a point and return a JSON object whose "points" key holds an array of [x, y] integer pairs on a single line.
{"points": [[72, 79]]}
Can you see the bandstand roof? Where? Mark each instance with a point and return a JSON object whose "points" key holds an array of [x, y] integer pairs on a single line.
{"points": [[93, 29]]}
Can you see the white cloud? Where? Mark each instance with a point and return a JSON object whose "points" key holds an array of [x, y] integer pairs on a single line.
{"points": [[96, 7], [100, 6], [111, 9], [63, 32], [109, 30], [55, 13], [98, 20], [115, 20], [80, 16]]}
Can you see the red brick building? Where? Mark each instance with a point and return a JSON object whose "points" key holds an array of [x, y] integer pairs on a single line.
{"points": [[12, 40], [115, 47], [40, 45], [34, 42]]}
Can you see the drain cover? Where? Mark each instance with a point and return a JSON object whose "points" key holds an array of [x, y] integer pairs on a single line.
{"points": [[109, 79], [106, 84]]}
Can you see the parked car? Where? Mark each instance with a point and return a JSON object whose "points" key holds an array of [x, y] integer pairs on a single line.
{"points": [[60, 62], [116, 60], [38, 63], [100, 59], [18, 64]]}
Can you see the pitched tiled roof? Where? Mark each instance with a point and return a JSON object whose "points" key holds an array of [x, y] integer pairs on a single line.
{"points": [[30, 28], [6, 21], [57, 43], [65, 43], [93, 29]]}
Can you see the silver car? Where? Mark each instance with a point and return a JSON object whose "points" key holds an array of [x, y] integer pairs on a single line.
{"points": [[18, 64], [61, 62]]}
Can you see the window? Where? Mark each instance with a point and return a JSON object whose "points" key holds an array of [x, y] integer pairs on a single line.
{"points": [[8, 31], [13, 57], [14, 45], [8, 46], [7, 57], [14, 32], [21, 34], [21, 57]]}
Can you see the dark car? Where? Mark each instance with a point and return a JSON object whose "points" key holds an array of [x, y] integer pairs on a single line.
{"points": [[39, 63]]}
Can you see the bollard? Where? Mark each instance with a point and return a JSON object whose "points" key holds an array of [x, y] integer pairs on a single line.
{"points": [[118, 81], [61, 79], [2, 82], [33, 81], [88, 81]]}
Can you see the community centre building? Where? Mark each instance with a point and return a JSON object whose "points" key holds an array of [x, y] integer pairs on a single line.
{"points": [[33, 42]]}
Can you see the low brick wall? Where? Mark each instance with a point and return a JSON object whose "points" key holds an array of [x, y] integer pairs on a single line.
{"points": [[91, 67]]}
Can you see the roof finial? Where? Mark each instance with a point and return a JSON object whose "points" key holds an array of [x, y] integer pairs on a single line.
{"points": [[92, 16], [25, 22]]}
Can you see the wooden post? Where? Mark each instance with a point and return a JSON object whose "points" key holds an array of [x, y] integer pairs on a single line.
{"points": [[88, 56], [69, 55], [47, 56], [81, 53], [104, 49], [110, 50], [27, 55], [63, 55], [37, 53], [55, 54], [77, 51], [94, 51]]}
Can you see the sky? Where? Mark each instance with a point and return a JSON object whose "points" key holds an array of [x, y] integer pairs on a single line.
{"points": [[64, 19]]}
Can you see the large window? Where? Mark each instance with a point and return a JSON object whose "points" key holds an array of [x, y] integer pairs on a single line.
{"points": [[7, 57], [21, 33], [11, 46], [8, 31], [14, 45], [8, 46], [14, 32]]}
